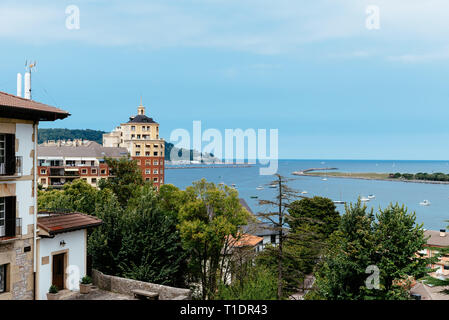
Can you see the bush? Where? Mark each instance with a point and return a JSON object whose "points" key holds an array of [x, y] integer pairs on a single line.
{"points": [[86, 280], [53, 289]]}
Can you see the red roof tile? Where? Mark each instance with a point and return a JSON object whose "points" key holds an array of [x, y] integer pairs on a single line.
{"points": [[22, 105], [64, 222]]}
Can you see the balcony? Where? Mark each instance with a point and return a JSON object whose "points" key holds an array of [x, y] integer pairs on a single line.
{"points": [[12, 167]]}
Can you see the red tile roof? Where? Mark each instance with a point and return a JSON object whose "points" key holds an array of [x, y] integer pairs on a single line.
{"points": [[23, 106], [65, 222], [246, 240]]}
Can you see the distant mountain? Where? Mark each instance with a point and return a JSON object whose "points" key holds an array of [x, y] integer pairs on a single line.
{"points": [[97, 136]]}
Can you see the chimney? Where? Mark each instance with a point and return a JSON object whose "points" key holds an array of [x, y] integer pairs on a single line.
{"points": [[27, 93], [19, 85], [442, 232]]}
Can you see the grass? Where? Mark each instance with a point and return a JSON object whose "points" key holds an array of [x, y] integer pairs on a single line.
{"points": [[359, 175]]}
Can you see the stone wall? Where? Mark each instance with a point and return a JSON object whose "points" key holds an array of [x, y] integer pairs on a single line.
{"points": [[125, 286]]}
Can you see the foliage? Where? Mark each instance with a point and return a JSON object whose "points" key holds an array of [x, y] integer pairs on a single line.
{"points": [[70, 134], [53, 289], [207, 219], [437, 176], [260, 284], [126, 176], [389, 241], [86, 280]]}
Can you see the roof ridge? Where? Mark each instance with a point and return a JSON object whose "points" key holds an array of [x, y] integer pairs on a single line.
{"points": [[29, 100]]}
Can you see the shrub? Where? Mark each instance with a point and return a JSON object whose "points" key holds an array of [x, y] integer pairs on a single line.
{"points": [[86, 280], [53, 289]]}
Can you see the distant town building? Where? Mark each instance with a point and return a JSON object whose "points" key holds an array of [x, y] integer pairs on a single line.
{"points": [[140, 136], [19, 120], [61, 162]]}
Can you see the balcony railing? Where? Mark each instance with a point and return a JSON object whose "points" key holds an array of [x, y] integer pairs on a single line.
{"points": [[12, 167]]}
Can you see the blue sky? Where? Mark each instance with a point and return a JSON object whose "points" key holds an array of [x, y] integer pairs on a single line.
{"points": [[311, 69]]}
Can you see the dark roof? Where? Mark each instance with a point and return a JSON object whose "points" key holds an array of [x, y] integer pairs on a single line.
{"points": [[141, 119], [55, 223], [16, 107], [90, 149]]}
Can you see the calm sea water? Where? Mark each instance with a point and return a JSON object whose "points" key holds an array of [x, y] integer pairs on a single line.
{"points": [[409, 194]]}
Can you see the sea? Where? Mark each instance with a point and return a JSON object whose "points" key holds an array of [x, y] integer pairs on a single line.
{"points": [[247, 179]]}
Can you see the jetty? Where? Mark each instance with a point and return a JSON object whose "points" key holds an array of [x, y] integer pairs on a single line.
{"points": [[300, 173]]}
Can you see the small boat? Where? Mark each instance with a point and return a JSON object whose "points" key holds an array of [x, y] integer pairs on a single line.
{"points": [[233, 185], [254, 197], [371, 196], [259, 188], [339, 202], [273, 186], [364, 199], [425, 203], [324, 179], [304, 192]]}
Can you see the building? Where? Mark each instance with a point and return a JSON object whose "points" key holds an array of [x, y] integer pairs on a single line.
{"points": [[19, 120], [435, 242], [260, 229], [61, 162], [62, 250], [140, 136]]}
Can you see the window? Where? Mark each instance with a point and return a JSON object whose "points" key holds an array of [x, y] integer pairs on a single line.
{"points": [[43, 171], [147, 179], [7, 217], [147, 154], [43, 181], [147, 171], [155, 171], [155, 153], [155, 179], [3, 277], [83, 162], [7, 154], [148, 162], [155, 162], [156, 146], [273, 238], [84, 171], [137, 153], [103, 171], [94, 171], [133, 128], [137, 145], [94, 180]]}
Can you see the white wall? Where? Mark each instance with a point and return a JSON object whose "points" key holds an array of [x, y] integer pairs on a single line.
{"points": [[24, 133], [76, 245]]}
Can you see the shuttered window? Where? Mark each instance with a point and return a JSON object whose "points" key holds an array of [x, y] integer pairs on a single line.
{"points": [[7, 217], [7, 154], [3, 275]]}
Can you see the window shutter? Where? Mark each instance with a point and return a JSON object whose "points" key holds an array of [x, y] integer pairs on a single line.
{"points": [[10, 154], [10, 225]]}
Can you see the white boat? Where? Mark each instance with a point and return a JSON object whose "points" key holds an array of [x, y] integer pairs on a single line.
{"points": [[233, 184], [304, 192], [364, 199], [324, 179], [259, 188], [339, 202], [425, 203], [371, 196]]}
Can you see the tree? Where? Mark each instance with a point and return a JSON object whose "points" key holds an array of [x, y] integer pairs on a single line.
{"points": [[207, 219], [278, 218], [126, 176], [388, 242]]}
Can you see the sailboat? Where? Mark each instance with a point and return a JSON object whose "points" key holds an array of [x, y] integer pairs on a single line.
{"points": [[371, 196], [364, 199], [259, 188]]}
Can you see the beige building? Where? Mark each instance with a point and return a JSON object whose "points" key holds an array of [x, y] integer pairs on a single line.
{"points": [[437, 240], [19, 120], [140, 136]]}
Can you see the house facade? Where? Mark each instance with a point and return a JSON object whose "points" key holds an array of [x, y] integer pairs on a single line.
{"points": [[436, 241], [19, 120], [140, 136], [62, 162]]}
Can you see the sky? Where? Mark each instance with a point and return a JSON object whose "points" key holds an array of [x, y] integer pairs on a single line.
{"points": [[334, 88]]}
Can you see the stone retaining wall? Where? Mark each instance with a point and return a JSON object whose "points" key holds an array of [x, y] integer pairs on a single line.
{"points": [[125, 286]]}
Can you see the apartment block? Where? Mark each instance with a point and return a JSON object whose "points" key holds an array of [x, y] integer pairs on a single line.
{"points": [[140, 136]]}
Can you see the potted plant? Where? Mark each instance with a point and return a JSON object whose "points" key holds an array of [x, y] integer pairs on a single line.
{"points": [[85, 284], [52, 293]]}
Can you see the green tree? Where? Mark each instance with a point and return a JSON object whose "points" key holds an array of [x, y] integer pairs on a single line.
{"points": [[126, 176], [389, 241], [207, 219]]}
